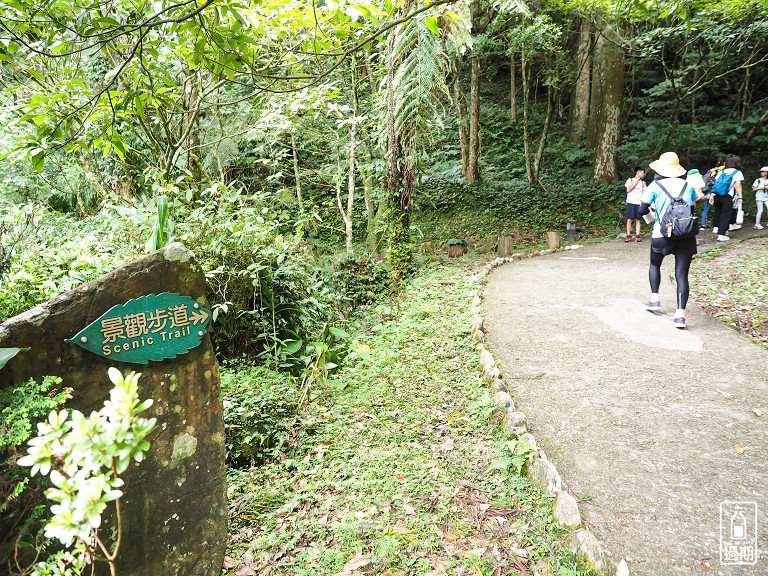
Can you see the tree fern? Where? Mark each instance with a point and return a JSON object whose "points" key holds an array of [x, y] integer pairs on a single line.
{"points": [[419, 79]]}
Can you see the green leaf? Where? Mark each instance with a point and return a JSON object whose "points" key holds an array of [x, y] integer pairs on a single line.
{"points": [[431, 23], [290, 347], [38, 160], [7, 353], [339, 333]]}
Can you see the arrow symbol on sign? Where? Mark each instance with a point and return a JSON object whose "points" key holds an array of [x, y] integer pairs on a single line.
{"points": [[201, 316]]}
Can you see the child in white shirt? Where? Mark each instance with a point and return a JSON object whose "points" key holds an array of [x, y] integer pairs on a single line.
{"points": [[635, 187], [760, 188]]}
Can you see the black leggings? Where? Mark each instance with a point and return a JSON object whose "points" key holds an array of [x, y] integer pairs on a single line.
{"points": [[723, 212], [682, 265]]}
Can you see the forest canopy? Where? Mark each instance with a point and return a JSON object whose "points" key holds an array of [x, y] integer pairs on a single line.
{"points": [[307, 103]]}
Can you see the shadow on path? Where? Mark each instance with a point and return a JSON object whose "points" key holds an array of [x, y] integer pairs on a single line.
{"points": [[643, 421]]}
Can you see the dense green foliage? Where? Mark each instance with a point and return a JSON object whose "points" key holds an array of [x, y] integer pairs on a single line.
{"points": [[58, 253], [260, 407], [26, 404], [262, 283], [21, 408]]}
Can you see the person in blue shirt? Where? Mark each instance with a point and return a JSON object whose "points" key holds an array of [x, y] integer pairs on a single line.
{"points": [[670, 174]]}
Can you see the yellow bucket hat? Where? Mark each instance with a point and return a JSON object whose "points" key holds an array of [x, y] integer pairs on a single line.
{"points": [[668, 165]]}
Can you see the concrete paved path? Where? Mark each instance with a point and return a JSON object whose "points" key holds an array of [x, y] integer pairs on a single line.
{"points": [[644, 421]]}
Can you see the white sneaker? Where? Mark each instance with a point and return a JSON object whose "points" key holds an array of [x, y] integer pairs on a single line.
{"points": [[734, 227], [721, 238], [714, 230], [758, 227]]}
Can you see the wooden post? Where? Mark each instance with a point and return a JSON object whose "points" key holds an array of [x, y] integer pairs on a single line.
{"points": [[553, 240], [456, 250], [506, 247]]}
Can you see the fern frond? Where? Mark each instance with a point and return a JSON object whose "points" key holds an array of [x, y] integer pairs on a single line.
{"points": [[419, 79]]}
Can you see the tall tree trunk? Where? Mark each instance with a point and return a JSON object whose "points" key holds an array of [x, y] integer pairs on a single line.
{"points": [[94, 180], [597, 88], [606, 160], [296, 174], [551, 97], [350, 186], [399, 177], [217, 145], [370, 208], [524, 75], [461, 112], [745, 95], [473, 154], [512, 88], [580, 103], [194, 161], [692, 132], [346, 213], [473, 168], [376, 208]]}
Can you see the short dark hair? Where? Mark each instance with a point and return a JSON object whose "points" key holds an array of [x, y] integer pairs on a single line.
{"points": [[732, 161], [639, 168]]}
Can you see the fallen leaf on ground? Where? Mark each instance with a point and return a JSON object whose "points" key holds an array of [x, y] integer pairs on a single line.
{"points": [[757, 412], [229, 563], [351, 568], [446, 535], [726, 394], [738, 449], [622, 569]]}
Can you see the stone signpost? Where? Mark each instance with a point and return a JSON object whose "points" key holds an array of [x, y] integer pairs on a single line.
{"points": [[147, 317]]}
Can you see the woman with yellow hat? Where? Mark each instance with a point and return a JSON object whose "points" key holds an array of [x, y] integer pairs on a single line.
{"points": [[658, 197]]}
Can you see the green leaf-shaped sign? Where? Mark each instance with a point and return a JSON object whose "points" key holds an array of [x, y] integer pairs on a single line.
{"points": [[152, 327]]}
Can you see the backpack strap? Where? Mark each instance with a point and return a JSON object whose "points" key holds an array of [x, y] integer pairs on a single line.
{"points": [[685, 185], [660, 185]]}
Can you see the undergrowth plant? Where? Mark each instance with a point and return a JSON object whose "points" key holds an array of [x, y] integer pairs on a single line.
{"points": [[21, 407], [59, 253], [260, 408], [84, 457], [262, 283], [162, 228]]}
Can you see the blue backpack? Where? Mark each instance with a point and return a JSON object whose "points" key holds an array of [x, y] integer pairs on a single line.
{"points": [[722, 185]]}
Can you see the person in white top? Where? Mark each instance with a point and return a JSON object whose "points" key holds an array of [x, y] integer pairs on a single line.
{"points": [[724, 202], [760, 188], [635, 187]]}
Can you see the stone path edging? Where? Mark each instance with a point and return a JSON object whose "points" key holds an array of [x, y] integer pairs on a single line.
{"points": [[542, 473]]}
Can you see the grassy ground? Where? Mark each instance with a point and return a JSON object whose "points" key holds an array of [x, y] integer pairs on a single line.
{"points": [[731, 283], [401, 470]]}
